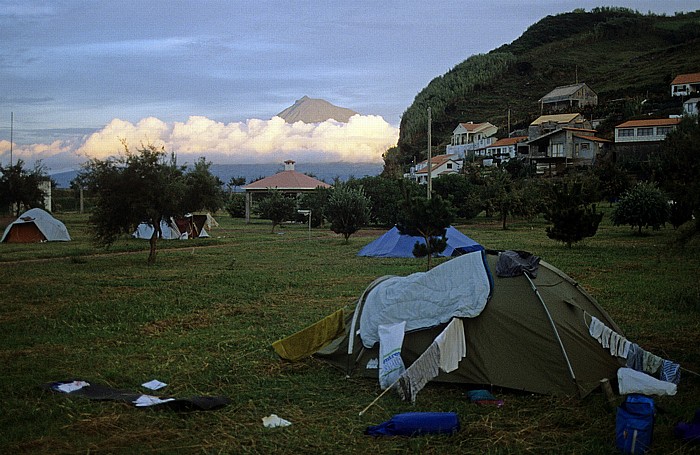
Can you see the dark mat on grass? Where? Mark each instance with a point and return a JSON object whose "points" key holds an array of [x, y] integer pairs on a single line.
{"points": [[101, 392]]}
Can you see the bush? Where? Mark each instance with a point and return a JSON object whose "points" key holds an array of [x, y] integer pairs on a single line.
{"points": [[645, 205], [236, 205], [573, 218]]}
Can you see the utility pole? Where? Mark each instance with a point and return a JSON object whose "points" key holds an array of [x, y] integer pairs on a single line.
{"points": [[12, 123], [430, 164]]}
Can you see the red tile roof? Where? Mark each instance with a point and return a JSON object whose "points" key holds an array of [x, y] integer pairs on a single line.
{"points": [[591, 138], [287, 180], [435, 162], [508, 141], [650, 122], [473, 126], [692, 78]]}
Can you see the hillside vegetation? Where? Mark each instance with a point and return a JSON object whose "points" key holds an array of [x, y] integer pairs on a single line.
{"points": [[625, 56]]}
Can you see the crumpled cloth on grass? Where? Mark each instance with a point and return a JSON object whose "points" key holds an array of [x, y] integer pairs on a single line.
{"points": [[274, 421]]}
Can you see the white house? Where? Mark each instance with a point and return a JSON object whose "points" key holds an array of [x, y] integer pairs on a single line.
{"points": [[685, 84], [470, 136], [503, 149], [648, 130], [690, 107], [440, 165]]}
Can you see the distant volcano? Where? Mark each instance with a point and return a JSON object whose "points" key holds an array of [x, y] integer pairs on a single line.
{"points": [[310, 110]]}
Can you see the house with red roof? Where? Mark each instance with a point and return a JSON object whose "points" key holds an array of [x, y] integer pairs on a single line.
{"points": [[503, 149], [685, 84], [439, 165], [470, 136], [635, 140], [553, 152], [288, 181], [646, 130]]}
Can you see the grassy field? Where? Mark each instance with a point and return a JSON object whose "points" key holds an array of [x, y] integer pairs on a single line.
{"points": [[203, 319]]}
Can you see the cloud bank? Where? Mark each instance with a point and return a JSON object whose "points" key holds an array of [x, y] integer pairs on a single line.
{"points": [[362, 140]]}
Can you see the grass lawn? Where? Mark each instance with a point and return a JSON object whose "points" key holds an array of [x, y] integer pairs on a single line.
{"points": [[202, 319]]}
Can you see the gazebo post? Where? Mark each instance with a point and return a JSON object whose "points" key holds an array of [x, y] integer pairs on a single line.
{"points": [[248, 200]]}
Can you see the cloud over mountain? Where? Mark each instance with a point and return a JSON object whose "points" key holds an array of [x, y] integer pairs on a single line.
{"points": [[363, 139]]}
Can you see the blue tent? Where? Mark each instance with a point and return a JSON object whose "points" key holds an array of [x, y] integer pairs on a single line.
{"points": [[394, 245]]}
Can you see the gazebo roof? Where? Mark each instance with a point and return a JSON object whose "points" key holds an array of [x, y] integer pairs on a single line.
{"points": [[286, 181]]}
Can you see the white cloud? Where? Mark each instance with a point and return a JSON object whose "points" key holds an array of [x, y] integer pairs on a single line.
{"points": [[33, 152], [362, 139]]}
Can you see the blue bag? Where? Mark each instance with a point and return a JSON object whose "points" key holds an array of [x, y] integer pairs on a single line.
{"points": [[634, 424], [416, 423]]}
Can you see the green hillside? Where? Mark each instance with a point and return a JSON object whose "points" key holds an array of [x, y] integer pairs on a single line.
{"points": [[624, 56]]}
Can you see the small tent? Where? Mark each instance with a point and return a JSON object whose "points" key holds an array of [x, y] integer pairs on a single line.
{"points": [[527, 337], [392, 244], [168, 229], [194, 225], [35, 225]]}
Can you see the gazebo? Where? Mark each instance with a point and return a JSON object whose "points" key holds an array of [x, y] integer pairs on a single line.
{"points": [[287, 181]]}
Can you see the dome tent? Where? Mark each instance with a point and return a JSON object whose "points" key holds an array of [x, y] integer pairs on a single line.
{"points": [[511, 343], [393, 244], [33, 226]]}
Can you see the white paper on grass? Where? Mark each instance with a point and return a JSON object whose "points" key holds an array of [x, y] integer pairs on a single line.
{"points": [[273, 421], [72, 386], [391, 365], [149, 400], [154, 384]]}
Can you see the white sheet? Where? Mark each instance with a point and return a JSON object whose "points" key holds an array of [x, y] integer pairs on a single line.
{"points": [[456, 288]]}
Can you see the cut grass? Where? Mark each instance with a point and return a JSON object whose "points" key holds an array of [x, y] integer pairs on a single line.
{"points": [[204, 316]]}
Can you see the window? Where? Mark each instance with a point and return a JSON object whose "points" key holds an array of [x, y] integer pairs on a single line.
{"points": [[557, 150], [663, 130], [625, 132], [645, 131], [585, 146], [449, 165]]}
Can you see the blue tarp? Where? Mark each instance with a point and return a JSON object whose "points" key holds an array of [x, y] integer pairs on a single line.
{"points": [[394, 245]]}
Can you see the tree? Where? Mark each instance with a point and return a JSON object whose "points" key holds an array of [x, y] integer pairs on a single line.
{"points": [[645, 205], [613, 179], [204, 190], [347, 209], [146, 186], [276, 207], [499, 194], [462, 194], [428, 218], [20, 188], [385, 194], [235, 182], [680, 170], [315, 201], [236, 205], [572, 217]]}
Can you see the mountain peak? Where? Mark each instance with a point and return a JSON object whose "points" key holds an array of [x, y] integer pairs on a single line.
{"points": [[311, 110]]}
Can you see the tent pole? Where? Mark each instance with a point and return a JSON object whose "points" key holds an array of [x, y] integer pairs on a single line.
{"points": [[380, 395], [554, 327]]}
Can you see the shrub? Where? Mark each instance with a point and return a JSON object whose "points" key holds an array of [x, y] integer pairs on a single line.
{"points": [[645, 205]]}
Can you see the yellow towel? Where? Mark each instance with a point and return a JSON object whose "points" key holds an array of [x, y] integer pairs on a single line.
{"points": [[311, 339]]}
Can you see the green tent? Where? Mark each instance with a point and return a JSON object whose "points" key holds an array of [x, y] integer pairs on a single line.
{"points": [[529, 337]]}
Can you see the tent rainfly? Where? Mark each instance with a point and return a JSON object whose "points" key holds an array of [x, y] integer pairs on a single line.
{"points": [[521, 332], [168, 229], [392, 244], [35, 225]]}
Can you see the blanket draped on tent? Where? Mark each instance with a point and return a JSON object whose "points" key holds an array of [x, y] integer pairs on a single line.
{"points": [[456, 288]]}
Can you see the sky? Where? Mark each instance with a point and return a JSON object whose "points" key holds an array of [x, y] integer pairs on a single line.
{"points": [[207, 77]]}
